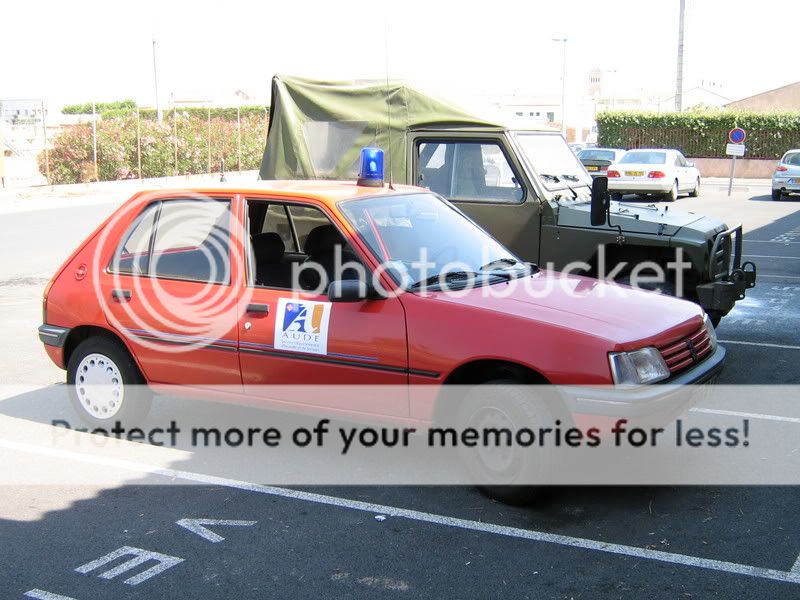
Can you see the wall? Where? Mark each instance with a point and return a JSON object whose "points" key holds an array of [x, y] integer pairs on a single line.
{"points": [[785, 98], [746, 168]]}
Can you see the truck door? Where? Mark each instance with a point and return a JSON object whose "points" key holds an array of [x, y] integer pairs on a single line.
{"points": [[479, 175]]}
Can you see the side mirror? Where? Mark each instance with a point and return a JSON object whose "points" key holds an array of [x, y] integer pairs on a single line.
{"points": [[350, 290], [599, 201]]}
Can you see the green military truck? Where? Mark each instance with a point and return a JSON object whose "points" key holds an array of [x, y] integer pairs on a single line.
{"points": [[525, 186]]}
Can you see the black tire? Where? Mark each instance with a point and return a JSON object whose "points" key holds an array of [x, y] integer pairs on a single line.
{"points": [[696, 191], [777, 195], [521, 409], [616, 196], [673, 194], [112, 360]]}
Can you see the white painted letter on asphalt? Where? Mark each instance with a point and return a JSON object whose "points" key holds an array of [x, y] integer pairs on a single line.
{"points": [[197, 526], [140, 556]]}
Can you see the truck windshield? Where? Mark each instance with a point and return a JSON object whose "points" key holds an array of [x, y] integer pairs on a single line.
{"points": [[550, 157], [407, 231]]}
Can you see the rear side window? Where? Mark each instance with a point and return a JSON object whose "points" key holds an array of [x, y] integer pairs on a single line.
{"points": [[179, 239], [596, 155], [644, 158]]}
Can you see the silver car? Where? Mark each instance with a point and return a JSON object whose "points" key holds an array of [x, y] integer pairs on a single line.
{"points": [[786, 178]]}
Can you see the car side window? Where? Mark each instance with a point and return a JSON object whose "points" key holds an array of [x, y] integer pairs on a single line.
{"points": [[132, 256], [467, 170], [192, 241], [276, 261]]}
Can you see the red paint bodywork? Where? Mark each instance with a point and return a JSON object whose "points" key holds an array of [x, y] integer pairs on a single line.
{"points": [[565, 338]]}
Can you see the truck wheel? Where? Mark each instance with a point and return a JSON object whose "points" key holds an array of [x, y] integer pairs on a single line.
{"points": [[505, 473], [696, 190], [673, 193], [777, 195], [105, 385]]}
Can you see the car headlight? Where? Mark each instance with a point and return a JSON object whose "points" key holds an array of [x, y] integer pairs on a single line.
{"points": [[712, 332], [638, 367]]}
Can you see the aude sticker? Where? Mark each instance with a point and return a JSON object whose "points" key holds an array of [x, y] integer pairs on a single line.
{"points": [[302, 326]]}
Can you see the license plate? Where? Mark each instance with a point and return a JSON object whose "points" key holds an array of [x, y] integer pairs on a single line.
{"points": [[590, 168], [793, 181], [634, 173]]}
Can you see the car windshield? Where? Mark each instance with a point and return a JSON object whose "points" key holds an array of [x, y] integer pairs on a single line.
{"points": [[419, 236], [792, 159], [592, 154], [549, 156], [644, 158]]}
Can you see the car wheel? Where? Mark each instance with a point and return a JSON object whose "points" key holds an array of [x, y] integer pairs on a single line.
{"points": [[776, 195], [696, 190], [504, 473], [616, 196], [105, 385], [673, 193]]}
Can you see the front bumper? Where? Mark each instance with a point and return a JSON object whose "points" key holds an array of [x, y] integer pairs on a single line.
{"points": [[727, 277], [640, 186], [656, 401]]}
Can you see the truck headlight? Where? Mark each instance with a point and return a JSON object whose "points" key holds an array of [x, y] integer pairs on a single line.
{"points": [[712, 333], [638, 367]]}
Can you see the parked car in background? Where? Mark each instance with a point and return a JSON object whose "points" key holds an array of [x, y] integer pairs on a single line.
{"points": [[786, 178], [659, 172], [597, 160], [578, 146]]}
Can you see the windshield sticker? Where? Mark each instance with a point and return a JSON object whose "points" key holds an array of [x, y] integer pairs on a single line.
{"points": [[302, 326]]}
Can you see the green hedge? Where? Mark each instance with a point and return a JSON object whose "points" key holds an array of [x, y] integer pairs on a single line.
{"points": [[700, 134], [127, 108], [99, 107], [71, 159]]}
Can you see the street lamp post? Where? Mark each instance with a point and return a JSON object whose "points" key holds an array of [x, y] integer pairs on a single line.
{"points": [[563, 41]]}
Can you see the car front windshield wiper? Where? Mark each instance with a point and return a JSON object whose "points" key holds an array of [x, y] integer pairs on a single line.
{"points": [[550, 177], [443, 278], [571, 178], [500, 262]]}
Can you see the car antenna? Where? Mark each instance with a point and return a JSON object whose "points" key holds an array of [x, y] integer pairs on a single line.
{"points": [[388, 106]]}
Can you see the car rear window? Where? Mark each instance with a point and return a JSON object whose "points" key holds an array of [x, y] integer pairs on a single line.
{"points": [[792, 159], [645, 158], [596, 155]]}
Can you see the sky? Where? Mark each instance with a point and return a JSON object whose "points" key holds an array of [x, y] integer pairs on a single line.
{"points": [[82, 50]]}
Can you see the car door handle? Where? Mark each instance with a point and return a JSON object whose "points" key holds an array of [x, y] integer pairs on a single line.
{"points": [[258, 308], [121, 295]]}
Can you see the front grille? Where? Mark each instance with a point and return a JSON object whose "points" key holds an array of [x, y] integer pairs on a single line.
{"points": [[686, 351]]}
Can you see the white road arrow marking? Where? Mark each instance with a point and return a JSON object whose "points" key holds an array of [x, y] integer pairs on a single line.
{"points": [[165, 561], [197, 526], [42, 595]]}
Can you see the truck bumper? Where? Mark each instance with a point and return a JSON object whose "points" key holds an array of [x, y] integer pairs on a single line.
{"points": [[728, 277]]}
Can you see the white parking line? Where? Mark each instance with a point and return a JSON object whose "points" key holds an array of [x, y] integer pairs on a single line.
{"points": [[419, 516], [770, 256], [779, 276], [796, 567], [768, 242], [43, 595], [761, 344], [745, 415]]}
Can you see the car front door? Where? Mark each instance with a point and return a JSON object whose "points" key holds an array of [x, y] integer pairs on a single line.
{"points": [[291, 335]]}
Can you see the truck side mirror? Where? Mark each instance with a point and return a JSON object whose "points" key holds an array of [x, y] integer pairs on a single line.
{"points": [[599, 201]]}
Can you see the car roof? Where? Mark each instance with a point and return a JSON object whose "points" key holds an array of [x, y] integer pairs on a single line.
{"points": [[652, 150], [607, 149], [324, 191]]}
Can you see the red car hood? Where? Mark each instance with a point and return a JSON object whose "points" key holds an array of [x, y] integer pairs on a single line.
{"points": [[623, 315]]}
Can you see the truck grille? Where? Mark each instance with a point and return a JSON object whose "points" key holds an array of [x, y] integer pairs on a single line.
{"points": [[687, 351]]}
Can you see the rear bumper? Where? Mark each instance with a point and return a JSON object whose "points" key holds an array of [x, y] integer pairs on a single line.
{"points": [[728, 277], [644, 186], [52, 335], [782, 184], [661, 400]]}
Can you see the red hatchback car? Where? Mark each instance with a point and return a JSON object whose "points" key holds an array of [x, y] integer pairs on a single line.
{"points": [[335, 283]]}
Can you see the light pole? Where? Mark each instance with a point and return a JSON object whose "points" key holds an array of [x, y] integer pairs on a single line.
{"points": [[679, 75], [155, 79], [563, 84]]}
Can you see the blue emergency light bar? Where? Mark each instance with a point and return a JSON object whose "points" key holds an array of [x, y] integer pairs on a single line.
{"points": [[370, 172]]}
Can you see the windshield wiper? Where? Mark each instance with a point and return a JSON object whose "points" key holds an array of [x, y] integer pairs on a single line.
{"points": [[550, 177], [500, 261], [442, 278], [571, 177]]}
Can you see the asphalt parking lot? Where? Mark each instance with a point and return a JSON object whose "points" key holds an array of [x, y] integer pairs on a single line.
{"points": [[663, 542]]}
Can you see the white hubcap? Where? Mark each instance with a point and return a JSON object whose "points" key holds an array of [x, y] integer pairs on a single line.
{"points": [[98, 384]]}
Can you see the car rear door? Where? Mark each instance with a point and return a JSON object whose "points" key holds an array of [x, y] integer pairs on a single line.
{"points": [[170, 290], [292, 336]]}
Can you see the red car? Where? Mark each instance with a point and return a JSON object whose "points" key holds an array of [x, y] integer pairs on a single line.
{"points": [[243, 286]]}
